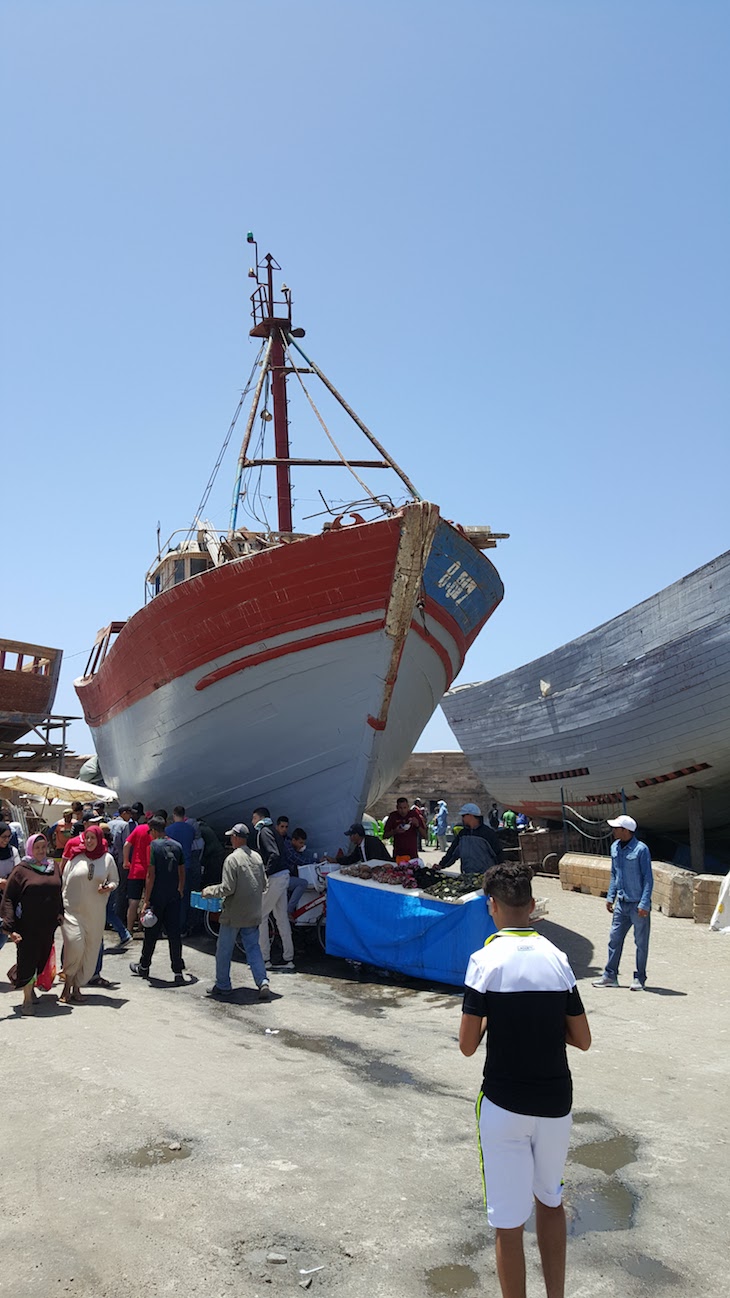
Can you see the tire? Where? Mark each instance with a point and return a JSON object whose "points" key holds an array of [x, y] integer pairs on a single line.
{"points": [[322, 930], [211, 921]]}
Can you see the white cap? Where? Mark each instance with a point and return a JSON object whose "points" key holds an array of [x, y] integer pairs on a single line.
{"points": [[623, 822], [470, 809]]}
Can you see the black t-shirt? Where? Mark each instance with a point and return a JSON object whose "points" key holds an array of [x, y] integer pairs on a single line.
{"points": [[524, 987], [167, 856]]}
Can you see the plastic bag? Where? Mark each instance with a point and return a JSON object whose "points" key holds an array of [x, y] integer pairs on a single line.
{"points": [[47, 976]]}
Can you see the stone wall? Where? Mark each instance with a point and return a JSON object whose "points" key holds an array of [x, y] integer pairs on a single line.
{"points": [[431, 776]]}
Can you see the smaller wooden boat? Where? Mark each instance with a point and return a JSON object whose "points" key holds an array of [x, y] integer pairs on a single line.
{"points": [[28, 682]]}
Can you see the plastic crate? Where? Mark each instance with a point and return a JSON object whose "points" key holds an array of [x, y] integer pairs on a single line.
{"points": [[205, 903]]}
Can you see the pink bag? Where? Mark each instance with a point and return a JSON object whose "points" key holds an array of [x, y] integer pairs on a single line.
{"points": [[47, 976]]}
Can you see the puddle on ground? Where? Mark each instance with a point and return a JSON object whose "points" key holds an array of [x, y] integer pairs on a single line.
{"points": [[454, 1279], [369, 1066], [600, 1208], [584, 1115], [649, 1268], [155, 1155], [606, 1155], [371, 1000]]}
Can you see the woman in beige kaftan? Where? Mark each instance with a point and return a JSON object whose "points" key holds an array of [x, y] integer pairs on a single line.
{"points": [[89, 877]]}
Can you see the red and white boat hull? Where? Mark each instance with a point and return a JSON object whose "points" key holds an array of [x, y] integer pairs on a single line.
{"points": [[300, 677]]}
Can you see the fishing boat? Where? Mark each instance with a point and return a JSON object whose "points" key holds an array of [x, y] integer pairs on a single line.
{"points": [[28, 683], [277, 667], [641, 705]]}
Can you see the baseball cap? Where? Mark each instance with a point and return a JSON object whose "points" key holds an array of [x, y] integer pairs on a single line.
{"points": [[357, 828], [470, 809], [623, 822], [240, 830]]}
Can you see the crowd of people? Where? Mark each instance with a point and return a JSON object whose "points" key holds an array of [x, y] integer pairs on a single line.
{"points": [[136, 871]]}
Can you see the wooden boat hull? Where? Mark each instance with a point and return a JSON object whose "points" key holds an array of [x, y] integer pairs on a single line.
{"points": [[300, 677], [641, 703], [28, 682]]}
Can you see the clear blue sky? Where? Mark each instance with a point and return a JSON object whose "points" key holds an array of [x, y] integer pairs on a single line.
{"points": [[506, 230]]}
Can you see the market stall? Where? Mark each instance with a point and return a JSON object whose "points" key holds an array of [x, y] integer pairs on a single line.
{"points": [[404, 928]]}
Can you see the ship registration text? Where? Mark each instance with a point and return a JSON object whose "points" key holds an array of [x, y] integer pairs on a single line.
{"points": [[456, 583]]}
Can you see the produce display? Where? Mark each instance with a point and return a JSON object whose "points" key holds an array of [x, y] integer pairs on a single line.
{"points": [[402, 876], [450, 887], [414, 875]]}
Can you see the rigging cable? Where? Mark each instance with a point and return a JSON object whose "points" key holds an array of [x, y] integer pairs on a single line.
{"points": [[214, 474], [345, 463]]}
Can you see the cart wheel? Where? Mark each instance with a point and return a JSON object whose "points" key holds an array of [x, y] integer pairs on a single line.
{"points": [[212, 923], [322, 930], [549, 863]]}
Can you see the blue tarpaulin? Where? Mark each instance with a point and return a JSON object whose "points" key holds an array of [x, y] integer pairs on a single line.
{"points": [[414, 935]]}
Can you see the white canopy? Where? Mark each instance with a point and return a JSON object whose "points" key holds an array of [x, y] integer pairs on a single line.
{"points": [[47, 785]]}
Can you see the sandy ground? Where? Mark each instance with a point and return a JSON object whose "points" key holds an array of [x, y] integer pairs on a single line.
{"points": [[344, 1138]]}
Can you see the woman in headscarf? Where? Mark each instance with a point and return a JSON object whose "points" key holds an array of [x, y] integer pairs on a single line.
{"points": [[88, 878], [30, 911], [9, 858]]}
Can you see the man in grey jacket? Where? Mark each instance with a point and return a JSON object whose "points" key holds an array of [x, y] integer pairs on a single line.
{"points": [[242, 891], [476, 846]]}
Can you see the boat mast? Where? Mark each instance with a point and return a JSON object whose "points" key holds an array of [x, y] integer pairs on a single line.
{"points": [[272, 319]]}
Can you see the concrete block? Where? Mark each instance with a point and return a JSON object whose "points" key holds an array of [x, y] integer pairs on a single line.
{"points": [[673, 890], [706, 891]]}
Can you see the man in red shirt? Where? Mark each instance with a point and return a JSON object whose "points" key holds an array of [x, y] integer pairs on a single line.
{"points": [[406, 827], [136, 860]]}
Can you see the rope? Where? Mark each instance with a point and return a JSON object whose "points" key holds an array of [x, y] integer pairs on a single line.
{"points": [[323, 425], [214, 474], [587, 820]]}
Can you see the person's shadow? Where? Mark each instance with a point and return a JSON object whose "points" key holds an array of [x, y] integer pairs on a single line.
{"points": [[169, 984], [579, 949]]}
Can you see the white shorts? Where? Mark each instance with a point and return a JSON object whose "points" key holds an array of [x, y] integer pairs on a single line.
{"points": [[521, 1157]]}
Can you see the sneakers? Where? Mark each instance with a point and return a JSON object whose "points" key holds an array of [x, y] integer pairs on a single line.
{"points": [[179, 980], [138, 971], [284, 964], [605, 981], [268, 964], [218, 994], [123, 941], [637, 985], [264, 990]]}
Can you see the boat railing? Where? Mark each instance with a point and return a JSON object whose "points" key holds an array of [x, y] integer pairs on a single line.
{"points": [[35, 660], [102, 644]]}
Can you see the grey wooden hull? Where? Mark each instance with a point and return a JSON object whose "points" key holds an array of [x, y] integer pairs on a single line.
{"points": [[640, 703]]}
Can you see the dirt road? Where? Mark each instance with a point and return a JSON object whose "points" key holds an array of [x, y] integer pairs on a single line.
{"points": [[343, 1137]]}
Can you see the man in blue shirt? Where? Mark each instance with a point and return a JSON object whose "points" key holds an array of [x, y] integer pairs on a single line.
{"points": [[629, 900], [182, 831]]}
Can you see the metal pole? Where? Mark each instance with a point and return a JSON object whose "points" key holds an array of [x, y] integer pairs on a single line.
{"points": [[623, 801], [696, 830], [281, 432], [565, 829]]}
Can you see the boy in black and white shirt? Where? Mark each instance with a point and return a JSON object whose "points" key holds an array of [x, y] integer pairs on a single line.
{"points": [[521, 991]]}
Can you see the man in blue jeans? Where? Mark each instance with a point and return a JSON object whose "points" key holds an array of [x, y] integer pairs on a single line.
{"points": [[629, 900], [242, 891]]}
